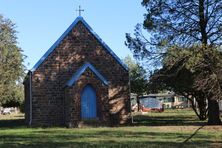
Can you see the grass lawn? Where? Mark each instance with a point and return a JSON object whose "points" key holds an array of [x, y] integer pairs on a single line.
{"points": [[173, 128]]}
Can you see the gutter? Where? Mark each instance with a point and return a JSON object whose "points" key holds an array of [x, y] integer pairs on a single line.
{"points": [[30, 98]]}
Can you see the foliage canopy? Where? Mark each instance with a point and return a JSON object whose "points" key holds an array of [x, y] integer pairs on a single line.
{"points": [[184, 37], [11, 65], [138, 76]]}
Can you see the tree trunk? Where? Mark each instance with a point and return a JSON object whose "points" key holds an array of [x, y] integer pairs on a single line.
{"points": [[138, 102], [202, 114], [202, 22], [213, 113], [202, 109]]}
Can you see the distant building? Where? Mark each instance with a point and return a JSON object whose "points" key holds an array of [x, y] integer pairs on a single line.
{"points": [[171, 100], [151, 104]]}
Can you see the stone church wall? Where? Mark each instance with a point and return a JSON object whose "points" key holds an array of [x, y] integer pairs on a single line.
{"points": [[50, 78]]}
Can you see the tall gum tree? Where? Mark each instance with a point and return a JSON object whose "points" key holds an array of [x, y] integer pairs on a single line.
{"points": [[184, 24]]}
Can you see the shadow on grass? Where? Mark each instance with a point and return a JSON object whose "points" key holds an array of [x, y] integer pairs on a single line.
{"points": [[191, 136], [107, 137], [108, 143], [12, 123], [105, 144], [100, 138], [141, 120]]}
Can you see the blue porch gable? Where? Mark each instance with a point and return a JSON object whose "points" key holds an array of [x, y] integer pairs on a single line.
{"points": [[81, 70]]}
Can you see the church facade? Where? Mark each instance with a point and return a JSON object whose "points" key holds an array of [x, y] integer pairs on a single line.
{"points": [[78, 80]]}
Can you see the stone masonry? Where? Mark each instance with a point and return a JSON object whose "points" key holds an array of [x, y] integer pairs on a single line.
{"points": [[55, 103]]}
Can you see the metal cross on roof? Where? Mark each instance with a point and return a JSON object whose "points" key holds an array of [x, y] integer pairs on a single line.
{"points": [[80, 10]]}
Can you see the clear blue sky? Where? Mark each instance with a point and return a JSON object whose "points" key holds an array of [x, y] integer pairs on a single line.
{"points": [[41, 22]]}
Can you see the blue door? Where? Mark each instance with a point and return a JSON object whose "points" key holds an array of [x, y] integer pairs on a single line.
{"points": [[88, 103]]}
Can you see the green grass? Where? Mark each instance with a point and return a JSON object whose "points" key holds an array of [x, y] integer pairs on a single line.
{"points": [[168, 117], [143, 133]]}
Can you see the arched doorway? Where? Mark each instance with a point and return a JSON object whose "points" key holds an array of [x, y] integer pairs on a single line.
{"points": [[88, 103]]}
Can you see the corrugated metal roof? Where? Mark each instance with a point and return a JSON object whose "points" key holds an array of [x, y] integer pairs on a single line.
{"points": [[78, 19], [160, 95]]}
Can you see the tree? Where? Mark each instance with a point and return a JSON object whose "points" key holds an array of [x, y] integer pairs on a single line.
{"points": [[184, 24], [180, 22], [138, 78], [191, 73], [11, 65]]}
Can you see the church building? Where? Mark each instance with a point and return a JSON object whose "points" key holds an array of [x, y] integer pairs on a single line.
{"points": [[78, 81]]}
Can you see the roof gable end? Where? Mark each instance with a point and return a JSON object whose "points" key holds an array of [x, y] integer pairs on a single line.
{"points": [[53, 47]]}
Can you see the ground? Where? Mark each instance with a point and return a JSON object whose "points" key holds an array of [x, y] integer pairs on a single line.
{"points": [[173, 128]]}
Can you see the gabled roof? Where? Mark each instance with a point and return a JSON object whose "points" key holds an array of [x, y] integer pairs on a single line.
{"points": [[78, 19], [81, 70]]}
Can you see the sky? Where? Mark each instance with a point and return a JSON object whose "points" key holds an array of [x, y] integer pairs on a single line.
{"points": [[41, 22]]}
